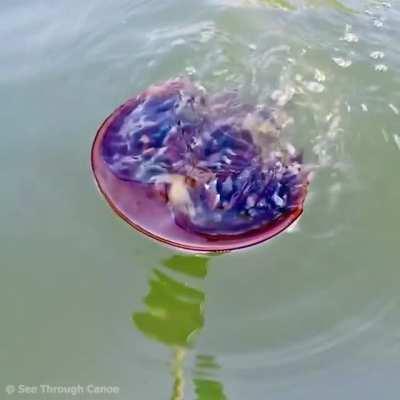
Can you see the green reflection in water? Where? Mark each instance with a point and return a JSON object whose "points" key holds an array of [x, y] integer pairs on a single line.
{"points": [[205, 387], [209, 389], [174, 315], [174, 309], [293, 5]]}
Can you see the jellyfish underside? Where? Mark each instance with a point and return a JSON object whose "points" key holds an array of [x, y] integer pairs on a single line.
{"points": [[221, 167]]}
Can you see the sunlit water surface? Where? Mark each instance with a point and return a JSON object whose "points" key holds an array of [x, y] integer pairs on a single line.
{"points": [[313, 314]]}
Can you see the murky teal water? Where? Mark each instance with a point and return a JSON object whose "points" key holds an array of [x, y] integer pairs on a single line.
{"points": [[313, 314]]}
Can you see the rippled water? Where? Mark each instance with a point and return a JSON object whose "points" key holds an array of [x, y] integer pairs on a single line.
{"points": [[312, 314]]}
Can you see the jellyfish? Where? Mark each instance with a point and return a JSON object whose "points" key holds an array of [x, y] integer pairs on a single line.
{"points": [[199, 172]]}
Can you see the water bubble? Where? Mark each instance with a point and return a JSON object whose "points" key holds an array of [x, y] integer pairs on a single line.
{"points": [[314, 87], [319, 75], [350, 37], [190, 70], [377, 55], [282, 97], [381, 67], [252, 46], [378, 23], [342, 62], [394, 108], [334, 128], [396, 139]]}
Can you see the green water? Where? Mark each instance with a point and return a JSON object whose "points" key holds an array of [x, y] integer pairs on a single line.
{"points": [[313, 314]]}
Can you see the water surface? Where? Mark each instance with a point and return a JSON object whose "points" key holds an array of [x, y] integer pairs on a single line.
{"points": [[85, 299]]}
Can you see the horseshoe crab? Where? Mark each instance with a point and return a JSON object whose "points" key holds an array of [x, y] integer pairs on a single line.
{"points": [[197, 172]]}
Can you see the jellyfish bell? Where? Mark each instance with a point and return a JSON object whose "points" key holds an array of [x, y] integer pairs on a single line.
{"points": [[196, 172]]}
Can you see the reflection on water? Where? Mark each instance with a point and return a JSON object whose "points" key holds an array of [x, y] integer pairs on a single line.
{"points": [[174, 316], [174, 311], [289, 5], [205, 387]]}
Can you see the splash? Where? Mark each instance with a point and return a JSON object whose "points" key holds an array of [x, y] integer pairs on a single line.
{"points": [[342, 62]]}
